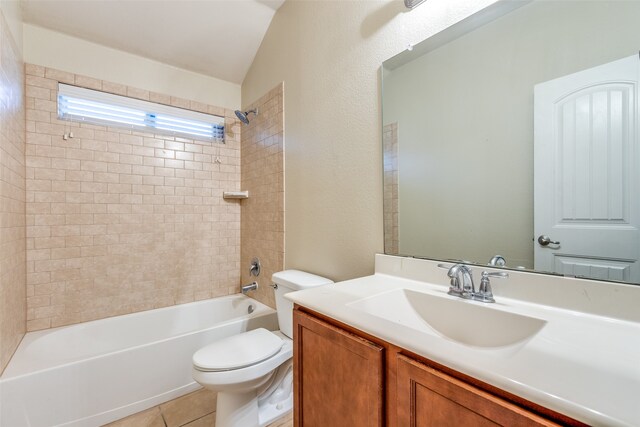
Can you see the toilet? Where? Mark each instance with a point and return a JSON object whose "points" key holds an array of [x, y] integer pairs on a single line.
{"points": [[253, 371]]}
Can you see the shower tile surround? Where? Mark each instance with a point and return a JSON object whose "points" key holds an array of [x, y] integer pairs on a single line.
{"points": [[12, 197], [390, 192], [262, 172], [120, 221], [262, 235]]}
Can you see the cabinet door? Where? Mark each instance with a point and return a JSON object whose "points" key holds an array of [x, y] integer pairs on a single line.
{"points": [[428, 397], [338, 376]]}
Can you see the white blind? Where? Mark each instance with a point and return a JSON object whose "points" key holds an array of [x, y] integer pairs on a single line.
{"points": [[92, 106]]}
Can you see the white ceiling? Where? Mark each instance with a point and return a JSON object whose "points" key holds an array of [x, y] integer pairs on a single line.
{"points": [[218, 38]]}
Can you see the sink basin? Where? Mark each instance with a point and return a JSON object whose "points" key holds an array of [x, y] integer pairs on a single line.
{"points": [[467, 322]]}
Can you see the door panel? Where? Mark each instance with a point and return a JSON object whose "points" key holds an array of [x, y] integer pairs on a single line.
{"points": [[586, 172], [594, 268]]}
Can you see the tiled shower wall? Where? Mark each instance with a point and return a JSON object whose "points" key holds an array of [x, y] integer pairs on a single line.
{"points": [[390, 192], [120, 221], [12, 197], [263, 176]]}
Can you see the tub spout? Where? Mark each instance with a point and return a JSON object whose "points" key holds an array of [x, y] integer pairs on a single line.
{"points": [[250, 287]]}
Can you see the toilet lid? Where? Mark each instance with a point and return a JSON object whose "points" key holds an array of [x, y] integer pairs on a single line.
{"points": [[238, 351]]}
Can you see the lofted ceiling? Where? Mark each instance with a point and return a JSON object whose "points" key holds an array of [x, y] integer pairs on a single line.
{"points": [[218, 38]]}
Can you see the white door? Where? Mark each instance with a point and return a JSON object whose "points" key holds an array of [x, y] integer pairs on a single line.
{"points": [[586, 168]]}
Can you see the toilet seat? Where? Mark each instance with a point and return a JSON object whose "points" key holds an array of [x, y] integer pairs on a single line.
{"points": [[254, 384], [238, 351], [242, 376]]}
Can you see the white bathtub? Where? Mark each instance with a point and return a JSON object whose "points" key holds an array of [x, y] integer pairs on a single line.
{"points": [[93, 373]]}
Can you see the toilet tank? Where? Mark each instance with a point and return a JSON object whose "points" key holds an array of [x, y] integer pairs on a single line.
{"points": [[289, 281]]}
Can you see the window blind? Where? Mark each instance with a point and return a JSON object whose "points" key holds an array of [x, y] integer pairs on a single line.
{"points": [[95, 107]]}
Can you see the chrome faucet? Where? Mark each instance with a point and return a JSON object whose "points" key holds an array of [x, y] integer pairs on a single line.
{"points": [[250, 287], [485, 294], [462, 283]]}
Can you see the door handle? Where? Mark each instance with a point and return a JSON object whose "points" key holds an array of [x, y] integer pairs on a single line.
{"points": [[546, 240]]}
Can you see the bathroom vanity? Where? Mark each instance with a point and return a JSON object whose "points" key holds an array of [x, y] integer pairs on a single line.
{"points": [[378, 383], [373, 351]]}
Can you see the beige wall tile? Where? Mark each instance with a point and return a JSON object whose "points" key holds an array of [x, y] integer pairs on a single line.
{"points": [[114, 88], [160, 98], [138, 93], [390, 189], [180, 102], [127, 204], [262, 221], [60, 76], [34, 70], [13, 174], [88, 82]]}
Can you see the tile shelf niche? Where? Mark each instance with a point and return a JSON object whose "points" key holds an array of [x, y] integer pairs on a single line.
{"points": [[235, 195]]}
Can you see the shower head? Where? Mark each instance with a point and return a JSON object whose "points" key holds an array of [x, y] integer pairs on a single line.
{"points": [[243, 115]]}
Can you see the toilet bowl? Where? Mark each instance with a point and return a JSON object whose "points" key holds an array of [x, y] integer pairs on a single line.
{"points": [[253, 371]]}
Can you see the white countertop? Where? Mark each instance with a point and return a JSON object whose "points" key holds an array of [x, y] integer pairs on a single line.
{"points": [[583, 365]]}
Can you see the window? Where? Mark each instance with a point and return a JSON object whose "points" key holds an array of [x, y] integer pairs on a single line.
{"points": [[100, 108]]}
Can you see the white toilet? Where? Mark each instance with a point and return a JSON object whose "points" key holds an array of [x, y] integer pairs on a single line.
{"points": [[253, 371]]}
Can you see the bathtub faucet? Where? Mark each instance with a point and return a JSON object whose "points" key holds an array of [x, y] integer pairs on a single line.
{"points": [[250, 287]]}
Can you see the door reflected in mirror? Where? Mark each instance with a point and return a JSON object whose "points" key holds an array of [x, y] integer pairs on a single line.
{"points": [[518, 137]]}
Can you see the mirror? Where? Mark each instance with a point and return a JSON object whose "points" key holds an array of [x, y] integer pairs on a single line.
{"points": [[514, 133]]}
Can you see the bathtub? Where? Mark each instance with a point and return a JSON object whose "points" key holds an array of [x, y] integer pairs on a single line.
{"points": [[96, 372]]}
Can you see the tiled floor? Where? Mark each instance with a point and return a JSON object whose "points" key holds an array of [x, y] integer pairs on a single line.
{"points": [[196, 409], [283, 422]]}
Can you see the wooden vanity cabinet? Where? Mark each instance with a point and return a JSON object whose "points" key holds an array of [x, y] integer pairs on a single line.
{"points": [[338, 376], [430, 398], [346, 378]]}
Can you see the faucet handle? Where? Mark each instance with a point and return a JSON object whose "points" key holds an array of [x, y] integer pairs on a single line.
{"points": [[497, 274], [254, 269], [485, 293]]}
